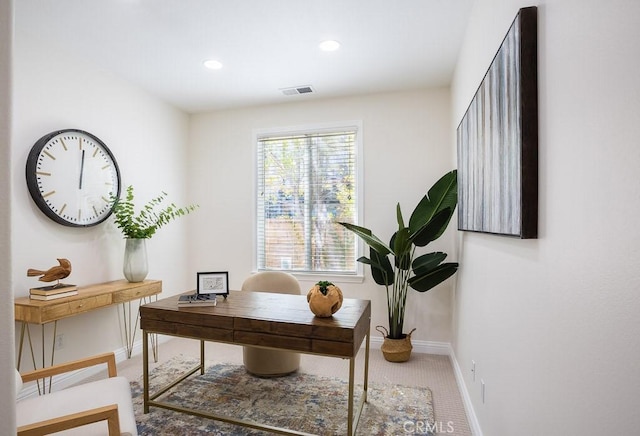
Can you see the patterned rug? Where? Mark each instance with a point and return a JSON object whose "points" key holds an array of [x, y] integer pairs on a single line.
{"points": [[301, 402]]}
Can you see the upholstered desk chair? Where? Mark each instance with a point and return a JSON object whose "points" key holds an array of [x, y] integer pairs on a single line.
{"points": [[264, 362], [80, 409]]}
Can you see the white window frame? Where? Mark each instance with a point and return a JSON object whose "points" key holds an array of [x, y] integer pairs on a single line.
{"points": [[358, 277]]}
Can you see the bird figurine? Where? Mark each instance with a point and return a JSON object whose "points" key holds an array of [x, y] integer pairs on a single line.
{"points": [[57, 272]]}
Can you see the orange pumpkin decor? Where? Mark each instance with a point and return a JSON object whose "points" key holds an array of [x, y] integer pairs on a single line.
{"points": [[324, 299]]}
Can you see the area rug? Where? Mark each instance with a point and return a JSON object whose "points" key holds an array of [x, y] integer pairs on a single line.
{"points": [[301, 402]]}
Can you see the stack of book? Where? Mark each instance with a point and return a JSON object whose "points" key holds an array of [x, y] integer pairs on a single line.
{"points": [[192, 300], [52, 292]]}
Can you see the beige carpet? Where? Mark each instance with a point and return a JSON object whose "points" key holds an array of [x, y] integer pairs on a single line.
{"points": [[422, 370]]}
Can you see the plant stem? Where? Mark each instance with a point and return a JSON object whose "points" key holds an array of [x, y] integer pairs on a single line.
{"points": [[396, 301]]}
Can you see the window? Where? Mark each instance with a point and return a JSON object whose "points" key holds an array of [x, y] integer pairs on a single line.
{"points": [[306, 181]]}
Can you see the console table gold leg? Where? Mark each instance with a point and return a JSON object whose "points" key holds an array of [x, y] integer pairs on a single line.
{"points": [[152, 336], [53, 349], [25, 327], [22, 329], [42, 344], [33, 358], [128, 337], [131, 328]]}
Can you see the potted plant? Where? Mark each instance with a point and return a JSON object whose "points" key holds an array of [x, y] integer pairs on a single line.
{"points": [[397, 266], [136, 228]]}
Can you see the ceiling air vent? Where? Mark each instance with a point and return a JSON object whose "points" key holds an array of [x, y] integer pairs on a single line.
{"points": [[307, 89]]}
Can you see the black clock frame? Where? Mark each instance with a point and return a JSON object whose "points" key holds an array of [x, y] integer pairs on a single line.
{"points": [[32, 177]]}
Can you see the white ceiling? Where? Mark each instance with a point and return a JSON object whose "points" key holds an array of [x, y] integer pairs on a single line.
{"points": [[265, 45]]}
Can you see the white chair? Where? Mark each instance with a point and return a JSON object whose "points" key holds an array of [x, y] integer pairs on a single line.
{"points": [[81, 409], [264, 362]]}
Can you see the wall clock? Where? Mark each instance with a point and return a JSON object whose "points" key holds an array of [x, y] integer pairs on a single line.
{"points": [[71, 175]]}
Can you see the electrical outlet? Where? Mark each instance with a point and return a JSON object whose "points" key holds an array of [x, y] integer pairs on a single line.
{"points": [[473, 370], [482, 390], [59, 342]]}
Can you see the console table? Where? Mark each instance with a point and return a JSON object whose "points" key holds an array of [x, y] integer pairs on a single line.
{"points": [[263, 319], [93, 297]]}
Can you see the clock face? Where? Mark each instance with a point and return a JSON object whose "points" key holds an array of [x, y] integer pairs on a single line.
{"points": [[71, 176]]}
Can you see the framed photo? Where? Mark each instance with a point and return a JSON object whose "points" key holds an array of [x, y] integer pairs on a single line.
{"points": [[498, 140], [213, 283]]}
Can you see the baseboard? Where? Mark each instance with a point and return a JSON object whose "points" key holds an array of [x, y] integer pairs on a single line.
{"points": [[61, 381], [427, 347], [466, 398]]}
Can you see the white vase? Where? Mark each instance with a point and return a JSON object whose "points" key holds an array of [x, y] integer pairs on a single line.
{"points": [[136, 266]]}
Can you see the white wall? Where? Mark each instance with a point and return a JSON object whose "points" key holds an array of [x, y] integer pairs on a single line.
{"points": [[54, 90], [7, 356], [553, 323], [406, 149]]}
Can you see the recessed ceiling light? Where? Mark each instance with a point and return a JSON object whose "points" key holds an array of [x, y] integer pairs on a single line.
{"points": [[213, 64], [329, 45]]}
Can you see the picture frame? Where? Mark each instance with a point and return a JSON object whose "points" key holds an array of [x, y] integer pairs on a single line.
{"points": [[497, 140], [213, 283]]}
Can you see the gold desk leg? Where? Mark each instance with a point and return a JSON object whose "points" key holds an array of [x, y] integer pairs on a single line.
{"points": [[201, 357], [366, 365], [145, 370], [352, 424], [350, 429]]}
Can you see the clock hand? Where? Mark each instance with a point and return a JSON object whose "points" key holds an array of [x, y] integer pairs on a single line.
{"points": [[81, 170]]}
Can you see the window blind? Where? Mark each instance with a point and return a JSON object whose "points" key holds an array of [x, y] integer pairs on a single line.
{"points": [[307, 182]]}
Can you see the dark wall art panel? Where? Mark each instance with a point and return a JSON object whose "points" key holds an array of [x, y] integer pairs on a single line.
{"points": [[497, 140]]}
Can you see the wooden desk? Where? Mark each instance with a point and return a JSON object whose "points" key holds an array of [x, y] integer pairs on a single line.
{"points": [[28, 311], [262, 319]]}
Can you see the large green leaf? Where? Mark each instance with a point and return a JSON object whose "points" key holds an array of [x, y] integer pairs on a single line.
{"points": [[368, 237], [427, 262], [443, 194], [401, 248], [399, 217], [433, 228], [424, 282], [381, 269], [401, 244]]}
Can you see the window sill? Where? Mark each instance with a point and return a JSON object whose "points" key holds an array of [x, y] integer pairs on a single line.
{"points": [[334, 278]]}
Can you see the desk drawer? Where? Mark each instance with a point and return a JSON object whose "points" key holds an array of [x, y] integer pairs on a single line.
{"points": [[65, 309], [136, 293], [90, 303]]}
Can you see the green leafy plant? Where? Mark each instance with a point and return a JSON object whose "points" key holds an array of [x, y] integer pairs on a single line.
{"points": [[324, 286], [145, 224], [427, 223]]}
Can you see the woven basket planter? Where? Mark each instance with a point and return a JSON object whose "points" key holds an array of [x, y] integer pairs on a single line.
{"points": [[395, 350]]}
